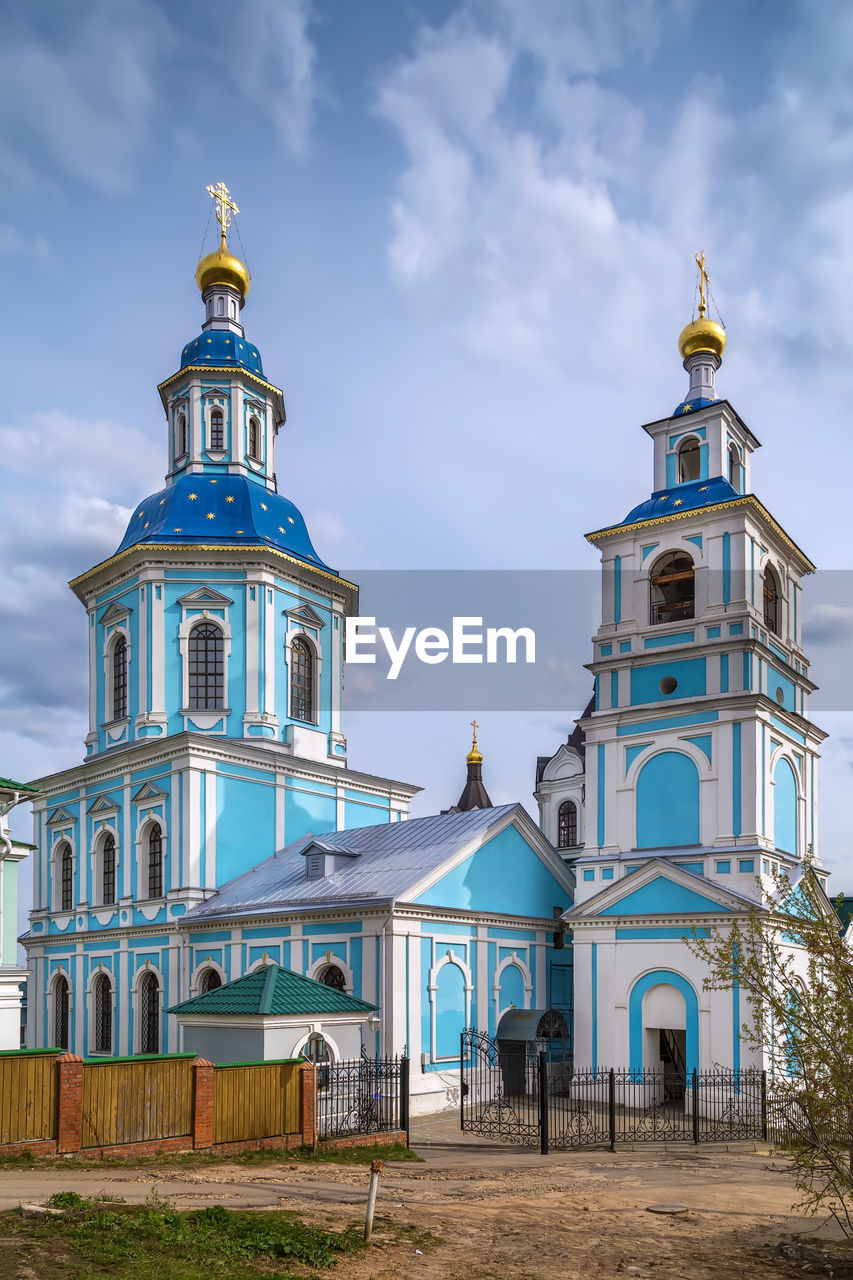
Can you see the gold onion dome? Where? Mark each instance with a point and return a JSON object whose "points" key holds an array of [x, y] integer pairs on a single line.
{"points": [[222, 268], [702, 335], [474, 756]]}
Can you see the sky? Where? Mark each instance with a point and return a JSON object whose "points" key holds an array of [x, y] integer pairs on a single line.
{"points": [[471, 228]]}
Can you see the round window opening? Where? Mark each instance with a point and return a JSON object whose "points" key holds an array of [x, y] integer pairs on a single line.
{"points": [[780, 696], [668, 684]]}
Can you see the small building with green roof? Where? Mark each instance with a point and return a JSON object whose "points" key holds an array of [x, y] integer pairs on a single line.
{"points": [[273, 1013], [12, 975]]}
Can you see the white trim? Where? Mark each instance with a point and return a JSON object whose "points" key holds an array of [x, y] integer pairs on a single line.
{"points": [[449, 957]]}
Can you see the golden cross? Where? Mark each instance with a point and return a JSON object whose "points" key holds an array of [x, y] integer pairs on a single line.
{"points": [[704, 280], [224, 206], [475, 727]]}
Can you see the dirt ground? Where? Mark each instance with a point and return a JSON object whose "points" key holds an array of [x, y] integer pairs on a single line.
{"points": [[515, 1215]]}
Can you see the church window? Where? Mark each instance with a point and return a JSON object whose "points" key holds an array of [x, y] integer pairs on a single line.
{"points": [[771, 599], [61, 1002], [66, 881], [233, 309], [209, 981], [301, 680], [206, 668], [317, 1051], [217, 429], [108, 870], [254, 438], [688, 460], [672, 588], [103, 999], [149, 1014], [155, 861], [734, 467], [119, 707], [331, 975], [567, 825], [220, 306], [181, 444]]}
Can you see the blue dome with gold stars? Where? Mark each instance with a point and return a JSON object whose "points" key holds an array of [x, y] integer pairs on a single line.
{"points": [[222, 347], [683, 497], [225, 510]]}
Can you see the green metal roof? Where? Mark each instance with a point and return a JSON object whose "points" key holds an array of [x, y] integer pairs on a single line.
{"points": [[6, 784], [270, 991]]}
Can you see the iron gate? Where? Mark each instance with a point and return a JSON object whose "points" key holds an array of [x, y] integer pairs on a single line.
{"points": [[533, 1095]]}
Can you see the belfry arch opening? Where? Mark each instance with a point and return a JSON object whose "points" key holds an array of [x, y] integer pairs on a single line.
{"points": [[771, 599], [689, 460], [672, 588]]}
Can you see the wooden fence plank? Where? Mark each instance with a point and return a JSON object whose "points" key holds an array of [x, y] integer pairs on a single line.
{"points": [[28, 1097], [139, 1101], [261, 1100]]}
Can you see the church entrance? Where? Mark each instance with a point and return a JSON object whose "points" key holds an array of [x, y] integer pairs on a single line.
{"points": [[672, 1047]]}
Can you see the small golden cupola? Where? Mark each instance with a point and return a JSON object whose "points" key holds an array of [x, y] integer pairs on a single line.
{"points": [[474, 794], [701, 344], [223, 279]]}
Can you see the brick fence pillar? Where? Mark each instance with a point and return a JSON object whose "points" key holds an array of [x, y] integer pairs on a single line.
{"points": [[70, 1096], [309, 1117], [203, 1085]]}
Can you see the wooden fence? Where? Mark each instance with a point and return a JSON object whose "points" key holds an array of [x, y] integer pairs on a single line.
{"points": [[56, 1102], [256, 1100], [28, 1097], [137, 1100]]}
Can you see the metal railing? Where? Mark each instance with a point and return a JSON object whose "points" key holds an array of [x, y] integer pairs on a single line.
{"points": [[363, 1096]]}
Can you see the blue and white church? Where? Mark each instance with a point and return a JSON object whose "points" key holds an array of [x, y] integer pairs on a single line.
{"points": [[215, 824], [692, 776]]}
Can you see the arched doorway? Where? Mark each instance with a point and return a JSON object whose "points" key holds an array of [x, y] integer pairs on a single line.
{"points": [[663, 1002]]}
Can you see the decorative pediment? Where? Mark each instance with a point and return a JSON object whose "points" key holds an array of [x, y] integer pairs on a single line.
{"points": [[658, 888], [149, 794], [101, 806], [114, 613], [304, 616], [565, 764], [251, 403], [215, 391], [204, 598], [61, 818]]}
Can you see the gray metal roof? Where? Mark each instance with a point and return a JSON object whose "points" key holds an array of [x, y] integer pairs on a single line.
{"points": [[392, 860]]}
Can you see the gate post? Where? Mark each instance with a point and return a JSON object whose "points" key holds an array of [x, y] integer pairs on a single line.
{"points": [[696, 1106], [543, 1102], [462, 1081], [404, 1095], [764, 1106], [611, 1107]]}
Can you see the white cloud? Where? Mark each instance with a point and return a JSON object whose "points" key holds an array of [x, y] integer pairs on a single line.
{"points": [[105, 456]]}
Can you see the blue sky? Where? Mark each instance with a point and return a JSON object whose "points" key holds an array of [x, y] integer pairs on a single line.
{"points": [[471, 230]]}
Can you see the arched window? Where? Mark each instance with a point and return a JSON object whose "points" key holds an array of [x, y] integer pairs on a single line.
{"points": [[61, 1003], [217, 429], [102, 994], [119, 707], [317, 1051], [220, 306], [155, 861], [108, 869], [688, 460], [771, 599], [301, 680], [65, 862], [254, 438], [207, 668], [672, 588], [734, 467], [209, 981], [567, 825], [785, 807], [331, 975], [149, 1014], [181, 443], [667, 800]]}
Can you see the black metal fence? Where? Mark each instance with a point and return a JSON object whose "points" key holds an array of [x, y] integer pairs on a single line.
{"points": [[534, 1095], [362, 1096]]}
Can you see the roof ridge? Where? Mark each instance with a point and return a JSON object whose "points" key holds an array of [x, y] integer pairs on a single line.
{"points": [[268, 992]]}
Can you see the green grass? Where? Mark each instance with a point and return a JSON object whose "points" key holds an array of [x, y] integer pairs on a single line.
{"points": [[257, 1155], [93, 1240]]}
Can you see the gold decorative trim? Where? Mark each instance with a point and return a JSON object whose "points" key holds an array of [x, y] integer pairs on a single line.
{"points": [[219, 368], [748, 500], [159, 546]]}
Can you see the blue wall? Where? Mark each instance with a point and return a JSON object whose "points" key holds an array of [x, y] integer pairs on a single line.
{"points": [[667, 799], [785, 807], [504, 875]]}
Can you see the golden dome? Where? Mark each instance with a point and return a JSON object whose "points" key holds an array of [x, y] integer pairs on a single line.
{"points": [[222, 268], [474, 756], [702, 335]]}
